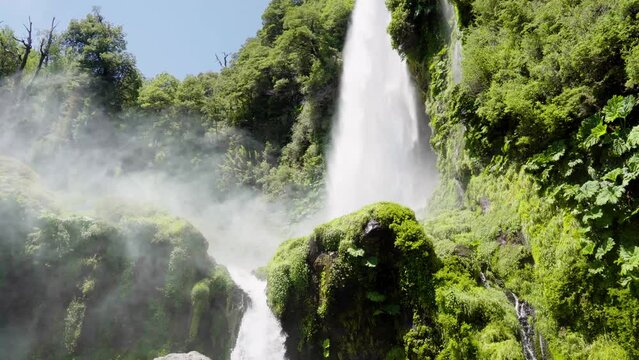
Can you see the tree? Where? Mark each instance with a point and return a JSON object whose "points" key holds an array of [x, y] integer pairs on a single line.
{"points": [[45, 48], [9, 58], [159, 93], [99, 47], [194, 91]]}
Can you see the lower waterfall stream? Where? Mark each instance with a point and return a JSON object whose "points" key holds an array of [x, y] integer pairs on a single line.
{"points": [[260, 336]]}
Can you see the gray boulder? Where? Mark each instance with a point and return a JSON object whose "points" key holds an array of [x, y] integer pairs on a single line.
{"points": [[193, 355]]}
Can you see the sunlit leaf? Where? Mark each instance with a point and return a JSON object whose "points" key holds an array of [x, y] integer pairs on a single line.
{"points": [[355, 252], [593, 214], [596, 133], [372, 262], [633, 137], [589, 248], [618, 107], [604, 248], [587, 190], [609, 195], [619, 147], [587, 125], [613, 175], [629, 261]]}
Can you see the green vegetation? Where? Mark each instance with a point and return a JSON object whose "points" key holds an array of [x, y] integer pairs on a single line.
{"points": [[536, 149], [350, 289], [124, 286], [268, 111]]}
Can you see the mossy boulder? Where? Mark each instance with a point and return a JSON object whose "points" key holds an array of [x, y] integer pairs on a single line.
{"points": [[359, 287], [125, 282]]}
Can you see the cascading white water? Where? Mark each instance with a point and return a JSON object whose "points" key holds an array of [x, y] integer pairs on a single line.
{"points": [[379, 146], [244, 233], [260, 336]]}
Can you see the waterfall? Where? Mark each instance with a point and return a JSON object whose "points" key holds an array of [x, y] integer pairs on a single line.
{"points": [[524, 311], [244, 232], [379, 149], [260, 336]]}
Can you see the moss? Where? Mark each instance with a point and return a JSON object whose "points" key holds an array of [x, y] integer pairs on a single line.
{"points": [[288, 274], [73, 324], [199, 302], [356, 281]]}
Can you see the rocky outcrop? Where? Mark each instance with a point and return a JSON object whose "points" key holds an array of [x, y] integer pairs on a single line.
{"points": [[359, 287], [193, 355]]}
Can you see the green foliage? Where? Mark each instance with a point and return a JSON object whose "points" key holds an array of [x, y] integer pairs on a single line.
{"points": [[280, 88], [100, 49], [9, 53], [137, 269], [536, 96], [287, 275], [159, 93], [632, 67], [537, 70]]}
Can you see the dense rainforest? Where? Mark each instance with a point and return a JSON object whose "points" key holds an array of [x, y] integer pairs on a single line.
{"points": [[527, 249]]}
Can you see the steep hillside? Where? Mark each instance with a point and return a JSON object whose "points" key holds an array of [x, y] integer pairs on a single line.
{"points": [[538, 154], [131, 283]]}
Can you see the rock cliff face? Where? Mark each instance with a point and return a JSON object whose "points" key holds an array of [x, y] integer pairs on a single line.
{"points": [[126, 282], [358, 287]]}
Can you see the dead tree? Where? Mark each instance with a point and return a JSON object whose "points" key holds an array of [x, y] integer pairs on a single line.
{"points": [[28, 45], [45, 48], [224, 60]]}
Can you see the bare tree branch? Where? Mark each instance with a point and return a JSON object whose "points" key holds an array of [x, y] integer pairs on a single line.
{"points": [[224, 60], [45, 47], [28, 45]]}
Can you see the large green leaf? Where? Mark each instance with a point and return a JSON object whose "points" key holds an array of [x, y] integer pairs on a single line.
{"points": [[589, 248], [587, 125], [595, 135], [619, 146], [587, 190], [609, 194], [618, 107], [555, 152], [633, 138], [605, 248], [613, 175], [629, 261]]}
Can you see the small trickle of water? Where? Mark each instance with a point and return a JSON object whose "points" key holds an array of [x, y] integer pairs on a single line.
{"points": [[523, 311], [484, 280], [457, 61], [260, 336], [379, 142], [455, 39]]}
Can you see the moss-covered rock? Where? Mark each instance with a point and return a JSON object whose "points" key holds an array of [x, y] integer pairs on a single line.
{"points": [[127, 282], [359, 287]]}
